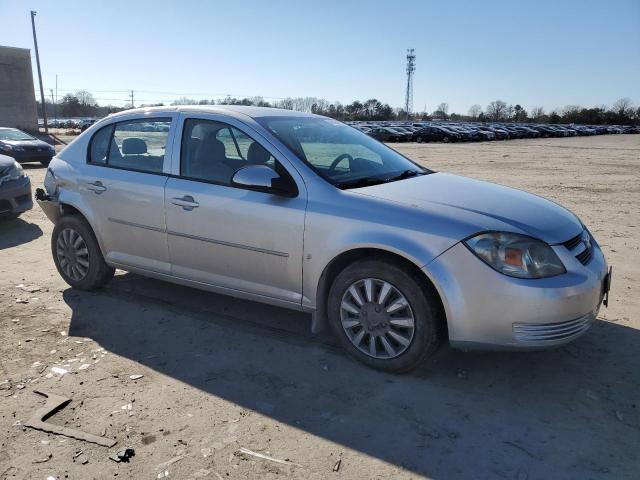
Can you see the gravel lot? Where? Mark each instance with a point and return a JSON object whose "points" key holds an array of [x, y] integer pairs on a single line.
{"points": [[221, 374]]}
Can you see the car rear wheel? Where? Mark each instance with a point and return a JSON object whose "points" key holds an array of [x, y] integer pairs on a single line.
{"points": [[383, 317], [419, 140], [77, 255], [445, 139]]}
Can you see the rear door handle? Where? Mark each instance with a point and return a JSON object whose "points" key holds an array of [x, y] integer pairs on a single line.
{"points": [[187, 202], [96, 187]]}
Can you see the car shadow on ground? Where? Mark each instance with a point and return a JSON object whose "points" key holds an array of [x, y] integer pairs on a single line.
{"points": [[564, 413], [33, 166], [14, 232]]}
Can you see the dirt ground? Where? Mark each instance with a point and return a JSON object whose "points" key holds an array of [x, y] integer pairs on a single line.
{"points": [[220, 374]]}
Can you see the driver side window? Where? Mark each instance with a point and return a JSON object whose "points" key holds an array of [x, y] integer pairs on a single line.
{"points": [[214, 151]]}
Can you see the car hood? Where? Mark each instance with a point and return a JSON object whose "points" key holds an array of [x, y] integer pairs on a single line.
{"points": [[26, 143], [476, 206], [6, 162]]}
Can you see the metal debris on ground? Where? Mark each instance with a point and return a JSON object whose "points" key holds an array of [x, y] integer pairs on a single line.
{"points": [[80, 457], [123, 455], [336, 467], [246, 451], [54, 404], [135, 377]]}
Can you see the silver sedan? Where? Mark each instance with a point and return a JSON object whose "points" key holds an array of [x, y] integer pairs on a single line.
{"points": [[305, 212]]}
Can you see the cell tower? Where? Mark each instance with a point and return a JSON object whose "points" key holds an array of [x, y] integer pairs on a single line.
{"points": [[411, 68]]}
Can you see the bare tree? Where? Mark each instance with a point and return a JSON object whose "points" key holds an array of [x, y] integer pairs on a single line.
{"points": [[475, 111], [444, 108], [537, 113], [623, 106], [85, 98], [496, 110]]}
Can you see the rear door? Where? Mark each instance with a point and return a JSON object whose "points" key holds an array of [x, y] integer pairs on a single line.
{"points": [[123, 182], [236, 239]]}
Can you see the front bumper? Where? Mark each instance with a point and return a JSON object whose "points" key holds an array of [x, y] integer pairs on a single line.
{"points": [[30, 155], [486, 309], [15, 196]]}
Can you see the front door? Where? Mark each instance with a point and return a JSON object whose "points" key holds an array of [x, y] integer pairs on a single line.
{"points": [[237, 239]]}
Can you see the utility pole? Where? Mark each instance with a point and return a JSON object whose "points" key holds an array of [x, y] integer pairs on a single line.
{"points": [[55, 114], [35, 43], [132, 105]]}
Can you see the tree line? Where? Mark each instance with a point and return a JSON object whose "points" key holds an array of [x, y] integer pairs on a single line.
{"points": [[622, 112]]}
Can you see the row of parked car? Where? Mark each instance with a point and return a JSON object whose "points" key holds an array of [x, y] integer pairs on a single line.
{"points": [[70, 123], [468, 132]]}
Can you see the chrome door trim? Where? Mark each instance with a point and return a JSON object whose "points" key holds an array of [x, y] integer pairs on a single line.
{"points": [[137, 225], [201, 239], [228, 244]]}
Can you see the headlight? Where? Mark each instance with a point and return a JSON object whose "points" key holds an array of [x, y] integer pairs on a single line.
{"points": [[12, 173], [516, 255]]}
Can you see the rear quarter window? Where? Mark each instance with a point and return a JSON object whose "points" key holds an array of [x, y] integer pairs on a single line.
{"points": [[99, 146]]}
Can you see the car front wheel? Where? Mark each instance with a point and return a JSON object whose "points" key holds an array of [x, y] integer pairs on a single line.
{"points": [[77, 255], [383, 317]]}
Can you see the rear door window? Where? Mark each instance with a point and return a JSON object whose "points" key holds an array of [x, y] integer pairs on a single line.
{"points": [[133, 145]]}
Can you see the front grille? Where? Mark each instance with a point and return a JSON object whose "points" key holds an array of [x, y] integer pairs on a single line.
{"points": [[544, 332], [573, 243], [585, 255], [581, 246]]}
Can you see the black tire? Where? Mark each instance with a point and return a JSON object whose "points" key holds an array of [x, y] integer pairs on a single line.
{"points": [[9, 217], [419, 140], [99, 273], [45, 162], [428, 318], [445, 139]]}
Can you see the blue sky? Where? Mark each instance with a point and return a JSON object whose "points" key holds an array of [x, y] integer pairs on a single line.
{"points": [[536, 53]]}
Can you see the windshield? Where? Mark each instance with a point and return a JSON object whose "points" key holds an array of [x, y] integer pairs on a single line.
{"points": [[11, 134], [342, 155]]}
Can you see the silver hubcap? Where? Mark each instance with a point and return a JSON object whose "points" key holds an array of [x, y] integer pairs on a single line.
{"points": [[377, 318], [73, 255]]}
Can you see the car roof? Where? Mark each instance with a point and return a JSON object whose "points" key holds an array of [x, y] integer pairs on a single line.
{"points": [[249, 111]]}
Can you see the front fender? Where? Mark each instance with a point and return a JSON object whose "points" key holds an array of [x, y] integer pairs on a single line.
{"points": [[321, 248]]}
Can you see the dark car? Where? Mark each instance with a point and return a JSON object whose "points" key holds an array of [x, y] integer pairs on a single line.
{"points": [[465, 134], [501, 133], [24, 148], [386, 134], [15, 189], [435, 134], [480, 133], [84, 124]]}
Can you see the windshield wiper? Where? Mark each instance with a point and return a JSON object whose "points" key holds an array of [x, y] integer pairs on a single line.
{"points": [[368, 181], [403, 175], [360, 182]]}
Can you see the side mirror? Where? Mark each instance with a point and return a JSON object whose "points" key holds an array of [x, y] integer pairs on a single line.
{"points": [[262, 178]]}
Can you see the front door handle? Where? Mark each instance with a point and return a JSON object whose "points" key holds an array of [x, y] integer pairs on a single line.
{"points": [[187, 202], [96, 187]]}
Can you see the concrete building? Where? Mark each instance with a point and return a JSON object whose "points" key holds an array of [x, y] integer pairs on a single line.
{"points": [[17, 96]]}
